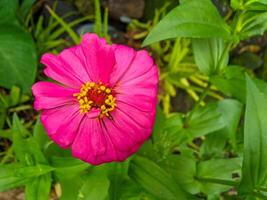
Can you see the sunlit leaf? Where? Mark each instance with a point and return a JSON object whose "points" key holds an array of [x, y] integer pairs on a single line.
{"points": [[196, 19]]}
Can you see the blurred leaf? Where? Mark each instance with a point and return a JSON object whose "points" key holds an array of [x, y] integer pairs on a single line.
{"points": [[6, 133], [14, 96], [25, 7], [64, 25], [26, 148], [8, 177], [17, 58], [117, 176], [254, 23], [209, 55], [33, 171], [68, 167], [96, 185], [155, 180], [204, 22], [71, 188], [14, 175], [40, 134], [254, 171], [8, 11], [39, 188]]}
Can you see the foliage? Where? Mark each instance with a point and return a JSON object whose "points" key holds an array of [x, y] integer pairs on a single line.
{"points": [[214, 149]]}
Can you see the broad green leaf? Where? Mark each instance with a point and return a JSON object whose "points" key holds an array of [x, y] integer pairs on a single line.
{"points": [[205, 120], [190, 173], [8, 177], [39, 187], [196, 19], [155, 180], [209, 55], [183, 169], [217, 169], [117, 175], [14, 175], [18, 59], [8, 11], [70, 188], [215, 142], [254, 171], [232, 82], [96, 185], [68, 167], [33, 171]]}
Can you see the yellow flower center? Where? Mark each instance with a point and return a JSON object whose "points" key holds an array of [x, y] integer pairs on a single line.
{"points": [[96, 95]]}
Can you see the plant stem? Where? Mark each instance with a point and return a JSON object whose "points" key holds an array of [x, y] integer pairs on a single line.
{"points": [[201, 98], [219, 181]]}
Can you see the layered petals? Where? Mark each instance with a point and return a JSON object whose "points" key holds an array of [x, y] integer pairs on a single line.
{"points": [[104, 105], [49, 95]]}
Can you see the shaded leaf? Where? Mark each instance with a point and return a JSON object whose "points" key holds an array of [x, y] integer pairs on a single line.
{"points": [[18, 59]]}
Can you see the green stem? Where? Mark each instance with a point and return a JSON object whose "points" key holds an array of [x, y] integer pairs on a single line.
{"points": [[218, 181], [201, 98], [223, 56]]}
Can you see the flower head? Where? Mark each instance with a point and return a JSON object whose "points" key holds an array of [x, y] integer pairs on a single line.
{"points": [[104, 102]]}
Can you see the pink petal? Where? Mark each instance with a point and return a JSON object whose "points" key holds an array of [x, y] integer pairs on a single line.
{"points": [[62, 124], [99, 58], [130, 64], [125, 132], [69, 67], [90, 141], [124, 57], [49, 95], [74, 59], [140, 92]]}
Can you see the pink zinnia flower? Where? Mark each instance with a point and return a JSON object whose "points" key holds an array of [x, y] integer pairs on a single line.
{"points": [[104, 104]]}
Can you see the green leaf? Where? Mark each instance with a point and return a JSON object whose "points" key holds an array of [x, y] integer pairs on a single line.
{"points": [[96, 185], [155, 180], [8, 11], [215, 170], [203, 22], [40, 134], [70, 188], [27, 150], [8, 177], [231, 82], [191, 174], [26, 7], [64, 25], [117, 176], [39, 188], [210, 55], [254, 24], [17, 58], [204, 120], [68, 167], [254, 171], [14, 175], [215, 142]]}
